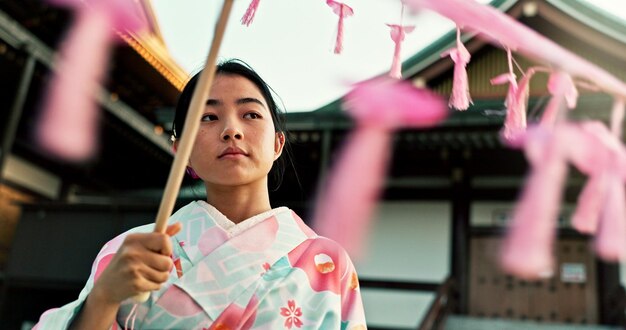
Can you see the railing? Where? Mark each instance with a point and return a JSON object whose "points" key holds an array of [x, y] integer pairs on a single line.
{"points": [[403, 286], [441, 306]]}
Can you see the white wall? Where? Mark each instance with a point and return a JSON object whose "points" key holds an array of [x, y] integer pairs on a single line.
{"points": [[34, 178], [409, 241]]}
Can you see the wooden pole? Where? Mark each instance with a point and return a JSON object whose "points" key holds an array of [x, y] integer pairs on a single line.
{"points": [[192, 124]]}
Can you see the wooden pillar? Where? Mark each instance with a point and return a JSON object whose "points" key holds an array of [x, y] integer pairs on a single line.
{"points": [[460, 226], [10, 127], [611, 295]]}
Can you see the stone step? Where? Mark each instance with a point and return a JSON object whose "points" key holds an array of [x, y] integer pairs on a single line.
{"points": [[459, 322]]}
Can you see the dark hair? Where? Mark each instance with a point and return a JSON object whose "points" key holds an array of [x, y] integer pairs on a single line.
{"points": [[240, 68]]}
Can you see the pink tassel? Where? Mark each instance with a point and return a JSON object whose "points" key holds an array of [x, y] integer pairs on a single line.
{"points": [[515, 122], [562, 88], [344, 210], [617, 117], [610, 241], [344, 207], [392, 104], [460, 98], [249, 15], [588, 148], [589, 206], [343, 11], [123, 14], [528, 245], [68, 121], [398, 33]]}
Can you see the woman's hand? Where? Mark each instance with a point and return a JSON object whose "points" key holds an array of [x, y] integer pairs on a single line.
{"points": [[141, 264]]}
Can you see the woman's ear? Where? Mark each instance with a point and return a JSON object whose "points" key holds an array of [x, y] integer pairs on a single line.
{"points": [[174, 144], [279, 144]]}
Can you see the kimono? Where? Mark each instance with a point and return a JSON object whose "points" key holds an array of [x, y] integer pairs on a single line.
{"points": [[268, 272]]}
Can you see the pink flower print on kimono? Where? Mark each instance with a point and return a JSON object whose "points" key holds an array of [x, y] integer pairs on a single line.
{"points": [[292, 314]]}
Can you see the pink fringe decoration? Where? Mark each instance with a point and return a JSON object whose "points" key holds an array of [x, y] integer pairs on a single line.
{"points": [[248, 17], [591, 150], [343, 11], [562, 88], [392, 104], [515, 121], [595, 151], [344, 210], [617, 117], [460, 98], [398, 33], [345, 205], [609, 243], [589, 207], [527, 248], [69, 119], [516, 101], [600, 154]]}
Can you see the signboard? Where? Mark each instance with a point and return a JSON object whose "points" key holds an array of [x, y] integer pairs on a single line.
{"points": [[573, 273]]}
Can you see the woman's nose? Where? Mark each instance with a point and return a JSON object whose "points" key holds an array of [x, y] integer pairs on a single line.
{"points": [[231, 132]]}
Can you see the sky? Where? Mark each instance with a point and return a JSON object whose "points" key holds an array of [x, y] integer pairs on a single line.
{"points": [[290, 42]]}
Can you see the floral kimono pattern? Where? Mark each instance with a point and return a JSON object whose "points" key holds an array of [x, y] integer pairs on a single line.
{"points": [[276, 274]]}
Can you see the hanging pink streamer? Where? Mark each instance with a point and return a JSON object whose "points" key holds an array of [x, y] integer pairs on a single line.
{"points": [[460, 98], [248, 17], [527, 249], [500, 29], [589, 207], [591, 151], [69, 119], [595, 151], [343, 11], [346, 203], [617, 116], [398, 33], [564, 94], [600, 154], [609, 242], [515, 121], [516, 101]]}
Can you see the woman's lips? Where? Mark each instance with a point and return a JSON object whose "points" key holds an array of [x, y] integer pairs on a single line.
{"points": [[232, 153]]}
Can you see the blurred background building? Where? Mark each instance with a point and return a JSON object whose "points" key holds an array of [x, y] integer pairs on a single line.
{"points": [[431, 256]]}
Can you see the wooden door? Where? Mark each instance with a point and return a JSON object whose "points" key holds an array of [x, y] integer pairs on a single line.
{"points": [[570, 296]]}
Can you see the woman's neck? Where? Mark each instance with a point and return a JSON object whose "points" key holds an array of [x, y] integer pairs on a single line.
{"points": [[239, 203]]}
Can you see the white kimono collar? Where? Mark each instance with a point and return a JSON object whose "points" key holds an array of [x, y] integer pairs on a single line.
{"points": [[234, 229]]}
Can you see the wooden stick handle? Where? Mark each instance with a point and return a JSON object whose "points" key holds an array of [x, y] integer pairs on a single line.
{"points": [[192, 124]]}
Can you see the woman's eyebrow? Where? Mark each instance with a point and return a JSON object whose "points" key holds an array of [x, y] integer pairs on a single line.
{"points": [[215, 102], [250, 100]]}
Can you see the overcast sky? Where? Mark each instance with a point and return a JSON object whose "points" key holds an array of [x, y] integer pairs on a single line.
{"points": [[290, 43]]}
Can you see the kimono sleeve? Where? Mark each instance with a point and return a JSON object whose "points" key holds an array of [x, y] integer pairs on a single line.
{"points": [[62, 318], [352, 313]]}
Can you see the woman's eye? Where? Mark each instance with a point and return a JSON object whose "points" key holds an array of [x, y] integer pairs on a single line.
{"points": [[252, 115], [209, 117]]}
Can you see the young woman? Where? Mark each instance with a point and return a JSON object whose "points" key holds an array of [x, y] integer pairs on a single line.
{"points": [[232, 261]]}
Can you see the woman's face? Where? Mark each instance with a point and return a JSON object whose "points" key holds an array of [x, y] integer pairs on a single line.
{"points": [[236, 143]]}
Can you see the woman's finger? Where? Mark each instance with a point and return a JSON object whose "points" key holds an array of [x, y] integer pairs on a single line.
{"points": [[173, 229], [158, 262], [153, 275], [157, 242]]}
